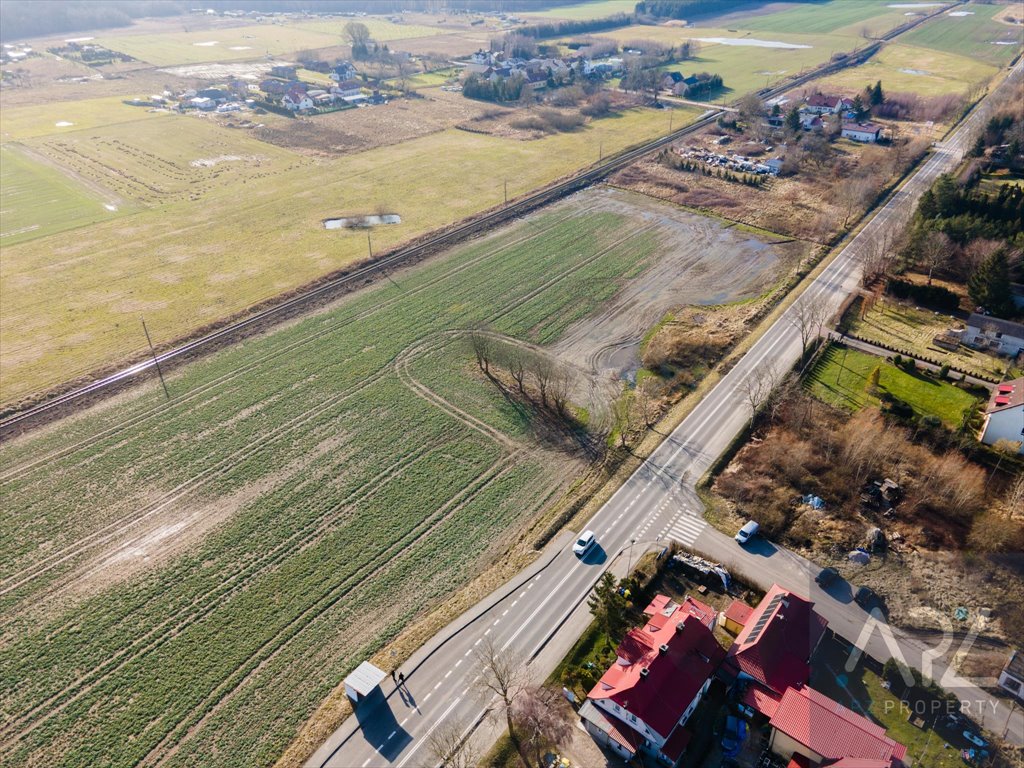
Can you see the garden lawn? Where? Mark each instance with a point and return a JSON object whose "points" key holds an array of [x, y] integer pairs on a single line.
{"points": [[908, 69], [911, 329], [37, 200], [841, 378], [974, 36], [188, 262]]}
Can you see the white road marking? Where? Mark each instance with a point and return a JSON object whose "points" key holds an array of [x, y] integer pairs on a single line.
{"points": [[488, 631], [438, 685], [429, 733], [478, 641], [427, 697], [514, 603], [458, 662], [504, 612], [403, 722], [367, 762], [447, 675], [391, 735]]}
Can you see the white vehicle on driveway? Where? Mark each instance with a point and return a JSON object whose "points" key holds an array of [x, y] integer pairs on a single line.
{"points": [[584, 543]]}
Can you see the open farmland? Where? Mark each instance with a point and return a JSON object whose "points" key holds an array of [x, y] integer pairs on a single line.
{"points": [[744, 66], [190, 579], [37, 200], [975, 35], [849, 17], [597, 9], [61, 118], [909, 69], [187, 263]]}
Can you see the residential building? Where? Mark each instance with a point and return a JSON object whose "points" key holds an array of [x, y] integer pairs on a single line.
{"points": [[820, 104], [203, 103], [810, 121], [1004, 414], [994, 334], [296, 99], [642, 702], [1011, 679], [285, 72], [810, 724], [866, 132], [343, 71], [347, 88], [773, 651]]}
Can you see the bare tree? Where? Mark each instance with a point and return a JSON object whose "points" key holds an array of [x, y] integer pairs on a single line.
{"points": [[448, 747], [561, 386], [502, 676], [853, 196], [543, 717], [483, 348], [756, 388], [647, 392], [515, 360], [622, 409], [878, 258], [808, 316], [935, 252], [543, 371]]}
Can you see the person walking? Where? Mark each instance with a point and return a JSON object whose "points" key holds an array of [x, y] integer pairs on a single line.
{"points": [[393, 678], [401, 678]]}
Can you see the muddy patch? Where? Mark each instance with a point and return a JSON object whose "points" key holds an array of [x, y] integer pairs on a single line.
{"points": [[702, 262], [363, 222], [751, 41]]}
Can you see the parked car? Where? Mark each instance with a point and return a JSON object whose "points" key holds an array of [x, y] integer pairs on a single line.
{"points": [[826, 577], [866, 598], [975, 739], [732, 739], [747, 532], [584, 543]]}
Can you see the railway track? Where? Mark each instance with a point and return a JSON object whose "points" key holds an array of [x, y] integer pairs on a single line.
{"points": [[24, 419]]}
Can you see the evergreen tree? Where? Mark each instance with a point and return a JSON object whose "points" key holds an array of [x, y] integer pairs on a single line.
{"points": [[793, 120], [873, 379], [877, 96], [859, 110], [608, 606], [989, 286]]}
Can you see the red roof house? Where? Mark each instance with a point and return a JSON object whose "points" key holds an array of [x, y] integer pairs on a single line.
{"points": [[661, 673], [736, 616], [811, 724], [777, 642]]}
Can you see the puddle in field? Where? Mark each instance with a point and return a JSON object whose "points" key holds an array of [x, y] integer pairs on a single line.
{"points": [[1003, 42], [79, 39], [960, 13], [751, 41], [915, 72], [110, 207], [63, 124], [210, 162], [240, 48], [206, 45], [362, 221], [914, 5]]}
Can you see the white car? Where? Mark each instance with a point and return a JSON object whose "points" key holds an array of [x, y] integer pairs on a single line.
{"points": [[584, 543], [747, 532]]}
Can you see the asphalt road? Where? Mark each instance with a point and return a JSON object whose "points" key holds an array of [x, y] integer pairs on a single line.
{"points": [[656, 503]]}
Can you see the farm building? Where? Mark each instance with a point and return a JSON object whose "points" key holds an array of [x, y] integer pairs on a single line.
{"points": [[866, 132]]}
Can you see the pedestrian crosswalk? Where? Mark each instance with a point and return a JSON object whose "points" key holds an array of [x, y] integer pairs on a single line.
{"points": [[685, 527]]}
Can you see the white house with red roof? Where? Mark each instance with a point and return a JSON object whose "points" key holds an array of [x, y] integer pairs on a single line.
{"points": [[810, 724], [644, 699], [821, 104], [773, 651], [296, 99], [1004, 415]]}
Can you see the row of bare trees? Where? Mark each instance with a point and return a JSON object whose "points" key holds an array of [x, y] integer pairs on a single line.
{"points": [[551, 380]]}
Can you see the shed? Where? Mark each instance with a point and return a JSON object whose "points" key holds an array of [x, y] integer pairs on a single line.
{"points": [[736, 616], [363, 681]]}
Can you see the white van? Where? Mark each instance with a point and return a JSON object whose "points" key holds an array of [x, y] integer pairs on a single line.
{"points": [[747, 532]]}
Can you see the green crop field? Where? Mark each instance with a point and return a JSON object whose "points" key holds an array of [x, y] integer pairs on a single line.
{"points": [[974, 36], [185, 582], [841, 378], [382, 30], [908, 69], [36, 200], [185, 262]]}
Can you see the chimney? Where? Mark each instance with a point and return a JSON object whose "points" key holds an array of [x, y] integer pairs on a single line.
{"points": [[663, 648], [680, 626], [644, 673]]}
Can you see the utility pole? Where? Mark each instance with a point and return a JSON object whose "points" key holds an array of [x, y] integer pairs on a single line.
{"points": [[629, 568], [671, 114], [600, 151], [506, 191], [369, 245], [156, 362]]}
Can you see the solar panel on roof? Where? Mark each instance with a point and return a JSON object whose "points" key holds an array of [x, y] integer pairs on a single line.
{"points": [[764, 617]]}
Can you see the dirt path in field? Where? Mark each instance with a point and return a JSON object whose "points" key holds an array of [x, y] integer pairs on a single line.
{"points": [[107, 197], [702, 262]]}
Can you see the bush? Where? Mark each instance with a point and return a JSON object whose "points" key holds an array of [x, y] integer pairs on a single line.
{"points": [[933, 296]]}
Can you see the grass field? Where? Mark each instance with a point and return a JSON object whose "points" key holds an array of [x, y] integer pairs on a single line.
{"points": [[186, 263], [973, 36], [227, 44], [743, 68], [908, 69], [36, 200], [249, 539], [382, 30], [841, 378], [68, 117], [849, 17], [597, 9], [912, 329], [168, 158]]}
